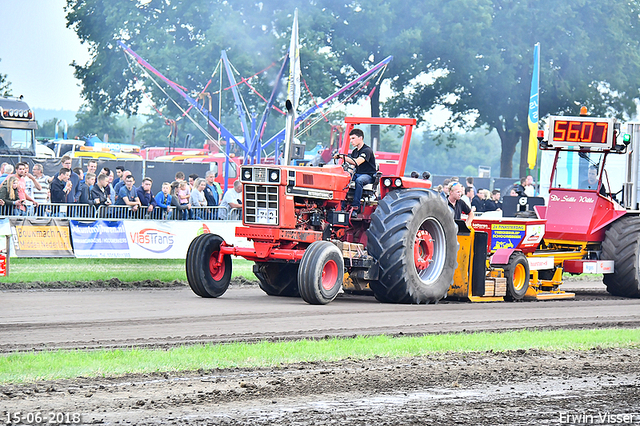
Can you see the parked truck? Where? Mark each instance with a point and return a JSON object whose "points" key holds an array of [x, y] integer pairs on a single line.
{"points": [[17, 128]]}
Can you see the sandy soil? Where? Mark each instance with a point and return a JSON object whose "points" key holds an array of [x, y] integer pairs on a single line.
{"points": [[513, 388]]}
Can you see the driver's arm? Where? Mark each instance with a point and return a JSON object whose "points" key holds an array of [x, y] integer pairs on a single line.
{"points": [[355, 162]]}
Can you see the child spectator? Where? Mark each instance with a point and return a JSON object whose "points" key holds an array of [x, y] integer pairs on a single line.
{"points": [[184, 193], [163, 201], [85, 190], [185, 209]]}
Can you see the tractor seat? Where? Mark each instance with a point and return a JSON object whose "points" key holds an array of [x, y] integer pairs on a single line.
{"points": [[367, 187]]}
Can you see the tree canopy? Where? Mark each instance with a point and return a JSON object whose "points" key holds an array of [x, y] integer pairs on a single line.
{"points": [[473, 57], [5, 90]]}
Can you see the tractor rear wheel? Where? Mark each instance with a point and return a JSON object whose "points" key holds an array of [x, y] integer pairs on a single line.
{"points": [[413, 238], [277, 279], [517, 274], [320, 273], [207, 276], [622, 245]]}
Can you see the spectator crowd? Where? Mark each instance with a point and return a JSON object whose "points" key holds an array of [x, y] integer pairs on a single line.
{"points": [[87, 193]]}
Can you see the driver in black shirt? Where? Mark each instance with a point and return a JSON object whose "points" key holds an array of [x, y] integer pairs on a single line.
{"points": [[362, 157]]}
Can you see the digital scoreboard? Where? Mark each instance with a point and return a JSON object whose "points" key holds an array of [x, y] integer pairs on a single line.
{"points": [[586, 132]]}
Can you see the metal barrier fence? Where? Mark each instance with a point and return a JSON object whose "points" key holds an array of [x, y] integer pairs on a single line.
{"points": [[84, 211]]}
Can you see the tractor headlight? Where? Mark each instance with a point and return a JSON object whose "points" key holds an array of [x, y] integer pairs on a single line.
{"points": [[246, 174], [274, 176], [386, 182], [398, 182]]}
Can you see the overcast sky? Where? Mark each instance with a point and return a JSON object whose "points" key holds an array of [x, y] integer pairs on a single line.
{"points": [[36, 51]]}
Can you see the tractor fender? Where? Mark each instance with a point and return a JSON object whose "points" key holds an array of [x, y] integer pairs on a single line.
{"points": [[501, 256]]}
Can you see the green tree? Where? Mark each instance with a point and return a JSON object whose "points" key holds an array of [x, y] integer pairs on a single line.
{"points": [[183, 40], [5, 90], [90, 121], [589, 56], [465, 152], [48, 129]]}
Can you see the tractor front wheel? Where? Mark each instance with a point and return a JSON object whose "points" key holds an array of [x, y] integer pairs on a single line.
{"points": [[622, 245], [320, 273], [208, 274], [413, 237]]}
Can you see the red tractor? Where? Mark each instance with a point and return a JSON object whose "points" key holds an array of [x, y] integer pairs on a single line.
{"points": [[402, 246]]}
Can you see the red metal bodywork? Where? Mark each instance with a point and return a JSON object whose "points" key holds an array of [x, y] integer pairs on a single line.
{"points": [[578, 214]]}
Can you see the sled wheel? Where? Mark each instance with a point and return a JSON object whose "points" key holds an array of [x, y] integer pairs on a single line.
{"points": [[321, 272], [208, 275], [517, 275], [413, 237]]}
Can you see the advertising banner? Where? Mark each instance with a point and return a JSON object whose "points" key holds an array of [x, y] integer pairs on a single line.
{"points": [[101, 238], [506, 235], [171, 239], [144, 239], [41, 237]]}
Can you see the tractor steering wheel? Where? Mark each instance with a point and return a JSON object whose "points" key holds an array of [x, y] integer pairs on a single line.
{"points": [[347, 167]]}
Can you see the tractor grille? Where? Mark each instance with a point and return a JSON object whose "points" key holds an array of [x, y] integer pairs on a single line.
{"points": [[259, 174], [261, 204]]}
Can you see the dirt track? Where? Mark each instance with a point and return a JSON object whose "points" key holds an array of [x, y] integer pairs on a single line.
{"points": [[520, 387]]}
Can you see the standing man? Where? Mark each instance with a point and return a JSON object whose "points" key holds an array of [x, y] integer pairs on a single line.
{"points": [[458, 206], [362, 157], [22, 171], [145, 196], [74, 194], [469, 193], [98, 192], [211, 192], [92, 166], [493, 203], [41, 195], [232, 200], [128, 195], [118, 177], [61, 186], [118, 186]]}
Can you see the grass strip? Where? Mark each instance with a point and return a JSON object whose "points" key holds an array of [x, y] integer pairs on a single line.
{"points": [[26, 270], [38, 366]]}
